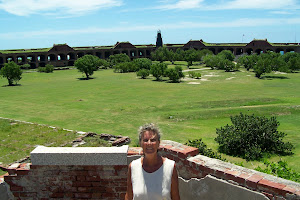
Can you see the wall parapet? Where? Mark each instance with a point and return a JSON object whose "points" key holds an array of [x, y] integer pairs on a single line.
{"points": [[107, 179]]}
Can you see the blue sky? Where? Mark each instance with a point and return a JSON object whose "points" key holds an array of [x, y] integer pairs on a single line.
{"points": [[42, 23]]}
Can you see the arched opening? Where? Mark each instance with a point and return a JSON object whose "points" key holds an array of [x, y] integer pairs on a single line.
{"points": [[52, 57], [70, 56], [9, 59], [61, 56], [80, 54], [125, 52], [31, 58], [98, 54], [90, 53], [132, 53], [20, 59], [220, 50], [290, 50], [259, 51], [212, 50], [270, 50], [249, 51], [148, 53], [279, 50], [141, 53], [116, 52], [231, 49], [41, 58], [1, 60], [106, 54], [239, 51]]}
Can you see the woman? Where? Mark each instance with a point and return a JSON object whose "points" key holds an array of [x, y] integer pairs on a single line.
{"points": [[151, 177]]}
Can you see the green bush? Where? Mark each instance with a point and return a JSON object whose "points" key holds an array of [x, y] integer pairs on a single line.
{"points": [[251, 137], [158, 70], [25, 66], [193, 74], [125, 67], [47, 69], [175, 74], [203, 150], [280, 169], [143, 73], [12, 72]]}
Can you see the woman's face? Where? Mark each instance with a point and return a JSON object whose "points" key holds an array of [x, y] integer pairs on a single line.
{"points": [[149, 142]]}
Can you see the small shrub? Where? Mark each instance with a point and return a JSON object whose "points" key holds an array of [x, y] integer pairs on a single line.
{"points": [[280, 169], [251, 137], [47, 69], [193, 74], [143, 73], [175, 74], [203, 150], [12, 72], [125, 67], [158, 70], [25, 66]]}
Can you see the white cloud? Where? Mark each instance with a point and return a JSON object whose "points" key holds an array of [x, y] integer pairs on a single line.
{"points": [[258, 4], [182, 4], [59, 7], [230, 4], [245, 22]]}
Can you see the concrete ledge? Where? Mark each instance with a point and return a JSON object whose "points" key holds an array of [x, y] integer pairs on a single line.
{"points": [[79, 155]]}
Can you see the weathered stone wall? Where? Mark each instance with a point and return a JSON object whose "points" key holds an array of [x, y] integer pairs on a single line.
{"points": [[101, 173]]}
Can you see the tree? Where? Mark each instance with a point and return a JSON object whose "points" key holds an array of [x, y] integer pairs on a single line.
{"points": [[262, 66], [125, 67], [118, 58], [161, 54], [142, 63], [248, 61], [87, 64], [190, 56], [158, 70], [175, 74], [143, 73], [12, 72], [103, 64], [251, 136], [227, 54]]}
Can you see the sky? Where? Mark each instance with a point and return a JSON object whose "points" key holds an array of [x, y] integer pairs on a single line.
{"points": [[41, 23]]}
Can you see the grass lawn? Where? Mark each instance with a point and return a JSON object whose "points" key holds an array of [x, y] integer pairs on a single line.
{"points": [[118, 104]]}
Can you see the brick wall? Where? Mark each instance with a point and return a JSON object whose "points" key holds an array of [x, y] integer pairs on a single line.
{"points": [[105, 177]]}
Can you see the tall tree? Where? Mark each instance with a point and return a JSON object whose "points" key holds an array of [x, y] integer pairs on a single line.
{"points": [[88, 64], [12, 72]]}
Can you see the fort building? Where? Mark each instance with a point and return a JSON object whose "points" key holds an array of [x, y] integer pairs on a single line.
{"points": [[62, 55]]}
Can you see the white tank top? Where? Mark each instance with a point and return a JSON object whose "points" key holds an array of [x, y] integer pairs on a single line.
{"points": [[151, 186]]}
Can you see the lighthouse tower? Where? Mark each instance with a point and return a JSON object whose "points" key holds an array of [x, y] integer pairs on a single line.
{"points": [[159, 42]]}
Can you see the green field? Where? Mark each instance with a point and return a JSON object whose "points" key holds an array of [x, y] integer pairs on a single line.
{"points": [[118, 104]]}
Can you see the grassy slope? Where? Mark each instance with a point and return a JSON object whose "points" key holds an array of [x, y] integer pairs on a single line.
{"points": [[119, 103]]}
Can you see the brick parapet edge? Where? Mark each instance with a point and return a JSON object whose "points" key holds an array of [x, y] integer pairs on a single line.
{"points": [[189, 164]]}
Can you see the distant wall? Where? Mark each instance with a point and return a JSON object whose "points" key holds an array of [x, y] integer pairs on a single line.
{"points": [[101, 173]]}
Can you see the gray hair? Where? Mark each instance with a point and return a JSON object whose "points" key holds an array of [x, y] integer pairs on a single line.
{"points": [[149, 127]]}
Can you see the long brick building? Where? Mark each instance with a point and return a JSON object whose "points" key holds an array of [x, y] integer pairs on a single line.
{"points": [[61, 55]]}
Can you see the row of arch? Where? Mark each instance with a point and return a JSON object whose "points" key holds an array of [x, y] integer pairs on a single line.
{"points": [[68, 59]]}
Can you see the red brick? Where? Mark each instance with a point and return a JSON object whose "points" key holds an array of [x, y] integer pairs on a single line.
{"points": [[120, 167], [69, 194], [16, 194], [82, 184], [269, 186], [83, 195], [253, 180], [288, 189], [28, 194], [97, 195], [80, 178], [22, 171], [93, 178], [219, 173], [16, 188], [56, 195], [84, 189], [270, 196]]}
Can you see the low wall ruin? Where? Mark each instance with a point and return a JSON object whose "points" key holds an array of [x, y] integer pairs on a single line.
{"points": [[101, 173]]}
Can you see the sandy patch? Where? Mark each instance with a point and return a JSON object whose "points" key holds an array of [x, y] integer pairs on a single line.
{"points": [[211, 75], [204, 79], [230, 78], [279, 73], [248, 75], [193, 83]]}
